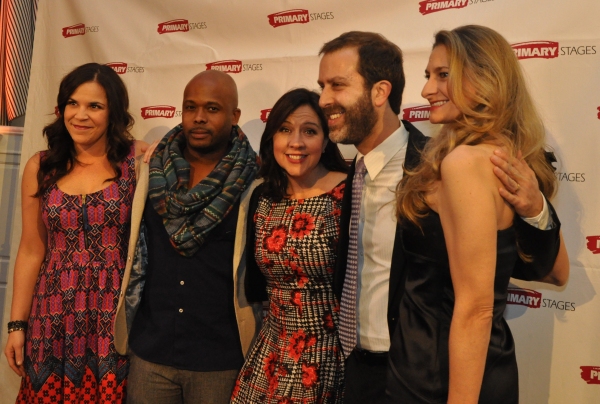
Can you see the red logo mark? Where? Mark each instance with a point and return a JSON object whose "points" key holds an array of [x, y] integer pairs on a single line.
{"points": [[264, 114], [432, 6], [158, 111], [119, 67], [179, 25], [524, 297], [416, 114], [591, 374], [73, 30], [536, 49], [227, 66], [297, 16], [593, 244]]}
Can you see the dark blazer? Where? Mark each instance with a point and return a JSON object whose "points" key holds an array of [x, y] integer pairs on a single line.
{"points": [[541, 245]]}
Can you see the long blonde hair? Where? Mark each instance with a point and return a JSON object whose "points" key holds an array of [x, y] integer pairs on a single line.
{"points": [[486, 84]]}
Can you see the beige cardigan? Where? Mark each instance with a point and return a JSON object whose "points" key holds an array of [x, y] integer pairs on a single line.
{"points": [[248, 315]]}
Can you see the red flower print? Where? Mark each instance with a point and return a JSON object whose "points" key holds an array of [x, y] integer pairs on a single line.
{"points": [[271, 364], [276, 240], [236, 389], [290, 210], [274, 310], [301, 277], [309, 374], [247, 373], [296, 300], [338, 192], [302, 225], [299, 341], [328, 324], [285, 400]]}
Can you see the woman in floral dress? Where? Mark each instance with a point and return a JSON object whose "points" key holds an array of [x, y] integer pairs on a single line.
{"points": [[292, 241], [76, 199]]}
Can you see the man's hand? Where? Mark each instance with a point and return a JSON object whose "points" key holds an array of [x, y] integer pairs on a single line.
{"points": [[148, 151], [520, 187]]}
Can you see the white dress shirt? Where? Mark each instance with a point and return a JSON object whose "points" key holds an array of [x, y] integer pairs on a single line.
{"points": [[376, 230]]}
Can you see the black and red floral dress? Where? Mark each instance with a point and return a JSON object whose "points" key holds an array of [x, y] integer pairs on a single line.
{"points": [[297, 356]]}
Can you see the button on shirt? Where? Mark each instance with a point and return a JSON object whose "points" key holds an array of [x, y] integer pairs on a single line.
{"points": [[376, 229], [186, 317]]}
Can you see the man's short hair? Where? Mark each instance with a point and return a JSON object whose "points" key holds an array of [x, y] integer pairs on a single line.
{"points": [[378, 59]]}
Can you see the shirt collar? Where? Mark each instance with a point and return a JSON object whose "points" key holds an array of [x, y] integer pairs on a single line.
{"points": [[378, 158]]}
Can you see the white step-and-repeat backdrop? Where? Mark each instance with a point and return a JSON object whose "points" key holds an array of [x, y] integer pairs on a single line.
{"points": [[270, 46]]}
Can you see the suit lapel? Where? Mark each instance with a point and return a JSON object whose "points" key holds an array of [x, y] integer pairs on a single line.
{"points": [[342, 250]]}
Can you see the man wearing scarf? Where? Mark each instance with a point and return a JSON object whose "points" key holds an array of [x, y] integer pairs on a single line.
{"points": [[183, 310]]}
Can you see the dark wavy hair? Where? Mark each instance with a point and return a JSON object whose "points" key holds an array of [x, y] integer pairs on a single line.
{"points": [[60, 158], [378, 59], [275, 178]]}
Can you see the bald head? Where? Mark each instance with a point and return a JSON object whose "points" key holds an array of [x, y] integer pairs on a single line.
{"points": [[218, 81], [210, 109]]}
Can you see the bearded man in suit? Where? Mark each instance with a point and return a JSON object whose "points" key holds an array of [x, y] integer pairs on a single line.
{"points": [[362, 80]]}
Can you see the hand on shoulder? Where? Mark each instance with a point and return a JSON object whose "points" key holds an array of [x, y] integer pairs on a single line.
{"points": [[141, 147]]}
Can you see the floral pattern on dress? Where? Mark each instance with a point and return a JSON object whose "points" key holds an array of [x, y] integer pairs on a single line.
{"points": [[297, 355]]}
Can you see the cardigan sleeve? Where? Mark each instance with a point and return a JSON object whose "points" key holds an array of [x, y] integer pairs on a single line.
{"points": [[255, 281]]}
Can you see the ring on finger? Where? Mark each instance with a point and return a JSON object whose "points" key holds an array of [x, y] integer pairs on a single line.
{"points": [[517, 188]]}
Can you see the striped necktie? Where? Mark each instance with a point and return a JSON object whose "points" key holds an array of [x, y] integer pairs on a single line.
{"points": [[348, 329]]}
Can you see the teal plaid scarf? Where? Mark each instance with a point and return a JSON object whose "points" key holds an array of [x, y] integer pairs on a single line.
{"points": [[190, 215]]}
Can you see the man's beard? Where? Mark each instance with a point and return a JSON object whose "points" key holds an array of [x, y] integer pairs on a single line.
{"points": [[359, 120]]}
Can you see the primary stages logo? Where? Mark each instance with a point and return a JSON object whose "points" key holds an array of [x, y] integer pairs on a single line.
{"points": [[264, 114], [432, 6], [536, 49], [234, 66], [297, 16], [416, 114], [78, 29], [122, 68], [570, 177], [227, 66], [524, 297], [179, 25], [591, 374], [593, 244], [158, 111], [533, 299]]}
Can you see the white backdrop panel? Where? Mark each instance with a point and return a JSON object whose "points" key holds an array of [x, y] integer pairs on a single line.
{"points": [[158, 46]]}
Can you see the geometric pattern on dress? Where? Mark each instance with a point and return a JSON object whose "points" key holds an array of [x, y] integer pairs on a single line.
{"points": [[69, 348], [297, 355], [348, 326]]}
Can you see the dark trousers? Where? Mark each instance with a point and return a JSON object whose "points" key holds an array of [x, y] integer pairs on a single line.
{"points": [[151, 383], [365, 377]]}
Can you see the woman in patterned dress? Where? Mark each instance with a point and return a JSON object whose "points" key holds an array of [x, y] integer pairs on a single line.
{"points": [[291, 250], [76, 202]]}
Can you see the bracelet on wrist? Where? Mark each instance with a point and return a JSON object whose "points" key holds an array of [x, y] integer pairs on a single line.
{"points": [[17, 325]]}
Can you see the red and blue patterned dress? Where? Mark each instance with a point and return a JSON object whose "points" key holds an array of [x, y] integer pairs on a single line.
{"points": [[297, 356], [69, 352]]}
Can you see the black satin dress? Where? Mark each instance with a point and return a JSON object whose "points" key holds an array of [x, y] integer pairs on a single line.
{"points": [[419, 371]]}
